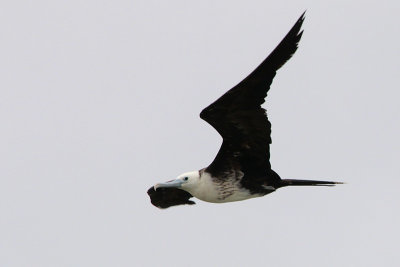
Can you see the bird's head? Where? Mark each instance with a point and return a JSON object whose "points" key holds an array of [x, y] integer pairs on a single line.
{"points": [[185, 181]]}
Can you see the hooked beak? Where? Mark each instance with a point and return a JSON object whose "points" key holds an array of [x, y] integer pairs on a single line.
{"points": [[172, 183]]}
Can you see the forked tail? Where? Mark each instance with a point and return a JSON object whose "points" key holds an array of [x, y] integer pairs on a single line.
{"points": [[294, 182]]}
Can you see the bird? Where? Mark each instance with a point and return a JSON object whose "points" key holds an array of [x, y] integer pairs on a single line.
{"points": [[241, 169]]}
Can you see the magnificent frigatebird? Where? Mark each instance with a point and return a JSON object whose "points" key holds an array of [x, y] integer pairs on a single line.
{"points": [[241, 169]]}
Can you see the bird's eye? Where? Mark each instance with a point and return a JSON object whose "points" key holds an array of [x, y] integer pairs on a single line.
{"points": [[186, 178]]}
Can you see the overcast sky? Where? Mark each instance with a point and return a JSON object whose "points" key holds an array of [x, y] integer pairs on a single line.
{"points": [[100, 100]]}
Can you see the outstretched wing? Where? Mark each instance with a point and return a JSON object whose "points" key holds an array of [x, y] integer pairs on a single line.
{"points": [[240, 120], [166, 197]]}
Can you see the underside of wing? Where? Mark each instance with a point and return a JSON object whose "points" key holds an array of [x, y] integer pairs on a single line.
{"points": [[167, 197], [239, 118]]}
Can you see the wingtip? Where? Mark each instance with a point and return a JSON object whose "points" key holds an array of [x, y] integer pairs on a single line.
{"points": [[302, 17], [296, 30]]}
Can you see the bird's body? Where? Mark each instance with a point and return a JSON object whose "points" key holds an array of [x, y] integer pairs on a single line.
{"points": [[241, 169], [216, 190]]}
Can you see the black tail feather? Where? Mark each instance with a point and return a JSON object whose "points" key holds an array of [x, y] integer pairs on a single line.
{"points": [[294, 182]]}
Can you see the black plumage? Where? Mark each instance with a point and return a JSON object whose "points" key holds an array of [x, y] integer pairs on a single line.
{"points": [[243, 123]]}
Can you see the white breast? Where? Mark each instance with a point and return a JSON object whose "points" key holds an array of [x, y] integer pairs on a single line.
{"points": [[220, 192]]}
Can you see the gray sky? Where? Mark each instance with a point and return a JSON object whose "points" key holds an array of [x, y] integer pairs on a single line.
{"points": [[100, 100]]}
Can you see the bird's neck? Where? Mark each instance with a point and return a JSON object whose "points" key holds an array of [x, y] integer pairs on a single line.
{"points": [[205, 189]]}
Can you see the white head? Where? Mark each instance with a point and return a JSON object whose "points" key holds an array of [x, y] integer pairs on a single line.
{"points": [[187, 181]]}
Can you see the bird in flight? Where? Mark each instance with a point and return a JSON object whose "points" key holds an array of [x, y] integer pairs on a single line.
{"points": [[241, 169]]}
